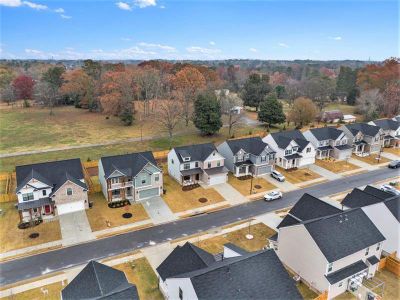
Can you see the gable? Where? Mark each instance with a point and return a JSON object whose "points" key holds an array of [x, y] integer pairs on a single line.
{"points": [[214, 156], [116, 173]]}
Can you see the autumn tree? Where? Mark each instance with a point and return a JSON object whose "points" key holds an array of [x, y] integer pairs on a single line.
{"points": [[207, 113], [255, 89], [79, 86], [302, 112], [271, 111], [228, 101], [368, 103], [376, 76], [92, 69], [54, 80], [6, 77], [169, 113], [23, 87], [189, 81], [44, 93], [391, 100]]}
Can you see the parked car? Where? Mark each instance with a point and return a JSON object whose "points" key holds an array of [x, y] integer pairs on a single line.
{"points": [[278, 176], [394, 164], [389, 189], [273, 196]]}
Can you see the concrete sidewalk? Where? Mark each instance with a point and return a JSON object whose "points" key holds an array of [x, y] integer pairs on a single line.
{"points": [[122, 228], [285, 186], [158, 210], [324, 172], [75, 228], [231, 195], [362, 164], [390, 156], [26, 250]]}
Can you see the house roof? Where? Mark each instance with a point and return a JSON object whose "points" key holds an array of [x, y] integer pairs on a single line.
{"points": [[185, 259], [306, 208], [332, 114], [252, 145], [326, 133], [387, 124], [257, 275], [128, 164], [394, 206], [373, 260], [365, 129], [346, 272], [342, 234], [359, 198], [34, 203], [343, 147], [377, 192], [98, 281], [53, 173], [284, 138], [235, 248], [197, 152]]}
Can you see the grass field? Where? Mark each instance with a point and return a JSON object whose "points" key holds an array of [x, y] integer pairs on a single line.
{"points": [[371, 159], [243, 186], [336, 166], [298, 175], [53, 292]]}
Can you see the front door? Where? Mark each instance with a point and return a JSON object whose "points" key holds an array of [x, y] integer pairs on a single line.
{"points": [[47, 209], [197, 177]]}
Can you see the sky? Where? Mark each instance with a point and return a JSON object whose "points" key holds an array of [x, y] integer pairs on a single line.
{"points": [[199, 29]]}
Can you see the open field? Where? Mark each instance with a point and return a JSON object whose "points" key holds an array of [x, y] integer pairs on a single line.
{"points": [[53, 290], [179, 200], [260, 231], [371, 159], [12, 237], [140, 273], [298, 175], [243, 186], [100, 213], [338, 166]]}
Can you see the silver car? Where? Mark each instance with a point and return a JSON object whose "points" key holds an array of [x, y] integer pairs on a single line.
{"points": [[274, 195], [278, 176]]}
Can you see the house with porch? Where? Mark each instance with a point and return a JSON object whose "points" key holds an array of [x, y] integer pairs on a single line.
{"points": [[201, 163], [335, 251], [391, 132], [364, 138], [329, 142], [247, 156], [189, 272], [133, 177], [49, 189], [383, 209], [292, 149]]}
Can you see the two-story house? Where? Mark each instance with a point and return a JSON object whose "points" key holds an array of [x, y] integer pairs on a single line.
{"points": [[52, 188], [391, 132], [331, 252], [132, 177], [192, 273], [383, 209], [247, 156], [364, 138], [197, 163], [329, 142], [292, 149]]}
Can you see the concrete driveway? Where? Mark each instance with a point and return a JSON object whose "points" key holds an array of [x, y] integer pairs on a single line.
{"points": [[75, 228], [230, 194], [158, 210]]}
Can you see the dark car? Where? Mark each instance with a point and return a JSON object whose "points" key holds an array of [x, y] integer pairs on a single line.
{"points": [[394, 164]]}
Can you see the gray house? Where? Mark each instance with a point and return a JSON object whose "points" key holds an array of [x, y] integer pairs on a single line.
{"points": [[364, 138], [391, 131], [132, 177], [329, 142], [247, 156]]}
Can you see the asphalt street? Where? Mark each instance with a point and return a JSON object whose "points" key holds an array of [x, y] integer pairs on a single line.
{"points": [[40, 264]]}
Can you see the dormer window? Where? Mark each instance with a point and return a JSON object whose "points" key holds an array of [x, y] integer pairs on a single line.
{"points": [[186, 158]]}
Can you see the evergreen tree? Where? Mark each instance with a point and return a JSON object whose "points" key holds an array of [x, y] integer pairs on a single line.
{"points": [[207, 113], [271, 111], [254, 90]]}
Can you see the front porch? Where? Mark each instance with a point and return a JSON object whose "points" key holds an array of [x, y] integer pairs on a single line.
{"points": [[242, 169], [191, 176], [324, 152], [360, 149], [116, 195], [34, 210]]}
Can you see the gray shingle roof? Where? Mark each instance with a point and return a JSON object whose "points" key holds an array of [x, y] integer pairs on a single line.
{"points": [[326, 133], [346, 272], [53, 173], [342, 234], [284, 138], [252, 145], [377, 192], [359, 198], [394, 206], [387, 124], [34, 203], [258, 275], [197, 152], [98, 281], [129, 164], [373, 260], [235, 248], [365, 129], [184, 259]]}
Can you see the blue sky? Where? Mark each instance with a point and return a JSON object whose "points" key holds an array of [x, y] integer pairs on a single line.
{"points": [[199, 29]]}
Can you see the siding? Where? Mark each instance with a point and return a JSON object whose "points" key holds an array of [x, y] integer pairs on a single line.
{"points": [[78, 194]]}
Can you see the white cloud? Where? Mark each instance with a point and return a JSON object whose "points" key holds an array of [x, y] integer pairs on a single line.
{"points": [[65, 17], [196, 49], [125, 39], [336, 38], [162, 6], [11, 3], [60, 10], [283, 45], [212, 43], [144, 3], [157, 46], [35, 5], [123, 6], [33, 51], [253, 50]]}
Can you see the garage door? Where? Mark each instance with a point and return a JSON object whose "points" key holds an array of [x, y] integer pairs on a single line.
{"points": [[263, 170], [70, 207], [217, 179], [148, 193]]}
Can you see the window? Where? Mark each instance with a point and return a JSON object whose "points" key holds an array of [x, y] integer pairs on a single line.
{"points": [[308, 150], [186, 166], [143, 180], [209, 165], [378, 246], [115, 192], [35, 210], [180, 294], [196, 164], [367, 251], [44, 192], [288, 152], [172, 161], [186, 159], [330, 266], [340, 284], [27, 197], [157, 177], [263, 158], [69, 191], [114, 180], [218, 163]]}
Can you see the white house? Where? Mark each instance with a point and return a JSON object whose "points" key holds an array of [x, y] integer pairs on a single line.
{"points": [[391, 131], [197, 163], [192, 273], [329, 142], [292, 149], [333, 252], [52, 188]]}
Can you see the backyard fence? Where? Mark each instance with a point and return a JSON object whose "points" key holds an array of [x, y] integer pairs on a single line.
{"points": [[390, 263], [8, 181]]}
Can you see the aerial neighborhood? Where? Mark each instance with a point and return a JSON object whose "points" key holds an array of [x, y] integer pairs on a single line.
{"points": [[211, 150]]}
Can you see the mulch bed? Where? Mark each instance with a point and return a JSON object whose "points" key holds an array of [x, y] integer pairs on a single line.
{"points": [[34, 235], [127, 215], [119, 204], [190, 187], [257, 186], [26, 225], [203, 200], [244, 177]]}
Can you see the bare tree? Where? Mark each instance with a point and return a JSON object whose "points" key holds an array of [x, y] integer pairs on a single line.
{"points": [[368, 103], [169, 115], [228, 102], [149, 82], [46, 95]]}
